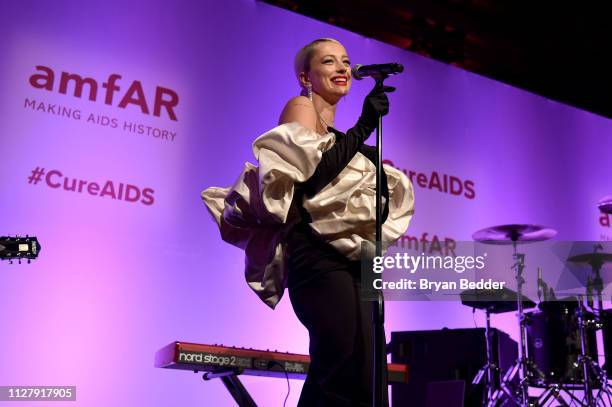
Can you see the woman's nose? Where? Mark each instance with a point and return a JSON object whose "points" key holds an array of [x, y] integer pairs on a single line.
{"points": [[340, 67]]}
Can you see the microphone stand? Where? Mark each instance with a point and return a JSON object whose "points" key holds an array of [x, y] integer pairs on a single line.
{"points": [[378, 311]]}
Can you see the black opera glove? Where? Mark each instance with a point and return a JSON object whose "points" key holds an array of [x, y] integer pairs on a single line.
{"points": [[334, 160], [375, 104], [347, 145]]}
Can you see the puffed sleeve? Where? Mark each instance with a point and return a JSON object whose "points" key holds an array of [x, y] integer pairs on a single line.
{"points": [[287, 155], [344, 212], [253, 214]]}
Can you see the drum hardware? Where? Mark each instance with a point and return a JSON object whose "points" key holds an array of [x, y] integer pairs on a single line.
{"points": [[590, 369], [606, 322], [489, 368], [570, 366], [496, 301], [594, 287], [556, 391], [592, 374], [567, 319], [492, 302], [515, 234], [560, 349], [596, 260], [545, 293], [579, 327], [585, 361], [523, 366]]}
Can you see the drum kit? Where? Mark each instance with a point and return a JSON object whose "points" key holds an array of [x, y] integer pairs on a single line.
{"points": [[557, 346]]}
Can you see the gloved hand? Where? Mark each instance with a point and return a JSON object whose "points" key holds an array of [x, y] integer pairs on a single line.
{"points": [[376, 103], [346, 145]]}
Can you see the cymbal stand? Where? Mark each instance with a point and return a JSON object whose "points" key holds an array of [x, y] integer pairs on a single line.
{"points": [[590, 368], [554, 390], [584, 359], [523, 366], [597, 284], [489, 367]]}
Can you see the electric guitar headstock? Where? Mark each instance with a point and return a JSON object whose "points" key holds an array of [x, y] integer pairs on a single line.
{"points": [[18, 248]]}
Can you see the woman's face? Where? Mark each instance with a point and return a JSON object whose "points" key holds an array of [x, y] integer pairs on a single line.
{"points": [[330, 71]]}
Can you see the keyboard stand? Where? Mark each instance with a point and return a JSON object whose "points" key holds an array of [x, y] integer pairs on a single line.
{"points": [[232, 383]]}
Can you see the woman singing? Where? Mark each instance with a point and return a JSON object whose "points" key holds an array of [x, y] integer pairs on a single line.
{"points": [[302, 215]]}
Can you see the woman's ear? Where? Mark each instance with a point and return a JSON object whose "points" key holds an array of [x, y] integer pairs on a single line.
{"points": [[304, 80]]}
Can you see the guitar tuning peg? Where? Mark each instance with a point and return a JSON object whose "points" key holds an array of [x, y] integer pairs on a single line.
{"points": [[10, 261], [19, 261], [29, 261]]}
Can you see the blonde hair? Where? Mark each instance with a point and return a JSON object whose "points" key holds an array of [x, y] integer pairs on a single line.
{"points": [[304, 56]]}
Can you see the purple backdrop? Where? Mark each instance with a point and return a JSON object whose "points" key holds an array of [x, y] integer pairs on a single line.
{"points": [[116, 279]]}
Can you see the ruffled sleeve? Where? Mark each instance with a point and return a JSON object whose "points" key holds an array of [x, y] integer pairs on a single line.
{"points": [[344, 212], [253, 214], [287, 154]]}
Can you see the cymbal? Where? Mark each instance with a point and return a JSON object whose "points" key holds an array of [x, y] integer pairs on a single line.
{"points": [[508, 234], [605, 205], [591, 258]]}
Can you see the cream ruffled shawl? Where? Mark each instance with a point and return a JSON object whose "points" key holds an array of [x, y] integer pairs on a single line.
{"points": [[253, 214]]}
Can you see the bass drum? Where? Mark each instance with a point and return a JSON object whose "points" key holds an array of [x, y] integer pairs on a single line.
{"points": [[553, 343]]}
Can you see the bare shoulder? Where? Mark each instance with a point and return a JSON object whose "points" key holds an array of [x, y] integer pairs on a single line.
{"points": [[299, 109]]}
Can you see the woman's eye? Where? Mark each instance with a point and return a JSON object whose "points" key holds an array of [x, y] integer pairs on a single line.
{"points": [[347, 62]]}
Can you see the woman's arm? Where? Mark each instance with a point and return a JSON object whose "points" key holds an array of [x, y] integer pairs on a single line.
{"points": [[300, 109], [334, 160]]}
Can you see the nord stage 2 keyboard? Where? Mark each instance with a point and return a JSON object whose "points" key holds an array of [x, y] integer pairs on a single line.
{"points": [[217, 361]]}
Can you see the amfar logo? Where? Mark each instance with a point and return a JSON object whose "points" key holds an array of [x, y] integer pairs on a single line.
{"points": [[164, 98]]}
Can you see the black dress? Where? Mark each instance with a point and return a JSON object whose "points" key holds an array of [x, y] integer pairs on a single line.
{"points": [[324, 289]]}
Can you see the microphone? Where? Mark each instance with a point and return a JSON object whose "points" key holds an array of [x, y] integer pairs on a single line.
{"points": [[361, 71]]}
